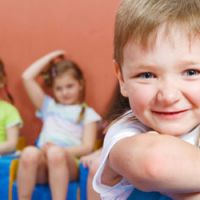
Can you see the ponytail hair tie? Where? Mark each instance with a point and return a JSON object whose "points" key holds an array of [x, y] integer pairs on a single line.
{"points": [[53, 71]]}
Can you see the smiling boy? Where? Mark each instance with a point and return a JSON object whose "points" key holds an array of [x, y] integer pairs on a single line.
{"points": [[157, 62]]}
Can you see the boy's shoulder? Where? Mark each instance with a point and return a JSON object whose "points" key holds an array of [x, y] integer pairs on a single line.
{"points": [[126, 123]]}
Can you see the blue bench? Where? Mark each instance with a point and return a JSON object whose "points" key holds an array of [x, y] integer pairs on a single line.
{"points": [[42, 191], [5, 163]]}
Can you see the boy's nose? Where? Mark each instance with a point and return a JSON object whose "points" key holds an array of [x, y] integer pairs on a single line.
{"points": [[167, 95]]}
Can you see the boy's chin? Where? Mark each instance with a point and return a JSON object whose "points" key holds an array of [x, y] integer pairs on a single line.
{"points": [[175, 130]]}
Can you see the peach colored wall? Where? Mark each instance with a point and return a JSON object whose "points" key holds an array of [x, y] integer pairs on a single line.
{"points": [[32, 28]]}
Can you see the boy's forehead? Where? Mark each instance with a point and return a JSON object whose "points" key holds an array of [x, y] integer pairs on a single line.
{"points": [[173, 36], [163, 44]]}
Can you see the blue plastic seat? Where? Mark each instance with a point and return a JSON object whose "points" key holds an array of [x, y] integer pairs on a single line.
{"points": [[135, 195], [5, 163], [42, 191], [83, 182], [140, 195]]}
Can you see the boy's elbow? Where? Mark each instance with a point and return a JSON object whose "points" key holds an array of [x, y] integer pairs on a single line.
{"points": [[154, 166], [144, 166], [152, 170]]}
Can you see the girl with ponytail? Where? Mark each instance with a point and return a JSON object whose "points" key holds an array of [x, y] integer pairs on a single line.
{"points": [[69, 126]]}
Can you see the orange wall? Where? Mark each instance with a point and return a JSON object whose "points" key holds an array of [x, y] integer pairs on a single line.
{"points": [[84, 28]]}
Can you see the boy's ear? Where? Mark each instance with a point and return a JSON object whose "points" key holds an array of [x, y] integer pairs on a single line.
{"points": [[119, 75]]}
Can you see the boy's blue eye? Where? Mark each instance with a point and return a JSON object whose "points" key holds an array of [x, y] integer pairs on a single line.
{"points": [[191, 72], [146, 75]]}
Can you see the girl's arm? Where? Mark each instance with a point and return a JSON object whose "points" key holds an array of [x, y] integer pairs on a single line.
{"points": [[12, 138], [154, 162], [32, 87], [88, 141]]}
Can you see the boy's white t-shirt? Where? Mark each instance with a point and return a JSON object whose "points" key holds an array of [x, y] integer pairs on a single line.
{"points": [[119, 130]]}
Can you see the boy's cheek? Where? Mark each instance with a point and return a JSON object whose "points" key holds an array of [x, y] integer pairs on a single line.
{"points": [[138, 105], [194, 100], [141, 96]]}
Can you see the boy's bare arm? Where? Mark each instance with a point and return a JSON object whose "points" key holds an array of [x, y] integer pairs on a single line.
{"points": [[154, 162], [188, 196]]}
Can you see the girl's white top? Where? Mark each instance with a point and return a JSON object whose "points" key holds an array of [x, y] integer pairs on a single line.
{"points": [[60, 123], [119, 130]]}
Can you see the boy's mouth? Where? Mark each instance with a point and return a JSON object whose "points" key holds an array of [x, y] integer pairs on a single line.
{"points": [[170, 114]]}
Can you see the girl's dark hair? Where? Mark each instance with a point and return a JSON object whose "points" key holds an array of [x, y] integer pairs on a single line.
{"points": [[2, 72], [3, 82], [117, 105], [60, 66]]}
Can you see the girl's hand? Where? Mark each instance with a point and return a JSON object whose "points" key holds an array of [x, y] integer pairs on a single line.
{"points": [[33, 88], [52, 56], [88, 160]]}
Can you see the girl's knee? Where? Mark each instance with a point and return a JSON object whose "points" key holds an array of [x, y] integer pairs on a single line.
{"points": [[56, 155], [30, 156]]}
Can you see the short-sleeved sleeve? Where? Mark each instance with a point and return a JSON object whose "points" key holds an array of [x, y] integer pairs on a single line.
{"points": [[9, 117], [13, 117], [121, 129], [91, 116], [46, 105]]}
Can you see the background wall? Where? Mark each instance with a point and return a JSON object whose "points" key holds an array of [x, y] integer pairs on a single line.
{"points": [[32, 28]]}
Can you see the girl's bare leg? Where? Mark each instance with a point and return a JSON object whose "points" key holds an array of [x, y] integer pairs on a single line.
{"points": [[62, 168], [31, 159]]}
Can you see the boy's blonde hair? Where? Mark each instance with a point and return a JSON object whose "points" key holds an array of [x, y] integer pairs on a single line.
{"points": [[138, 20]]}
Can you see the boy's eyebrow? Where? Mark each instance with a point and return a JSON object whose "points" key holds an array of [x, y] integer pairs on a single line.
{"points": [[147, 64], [144, 65], [188, 62]]}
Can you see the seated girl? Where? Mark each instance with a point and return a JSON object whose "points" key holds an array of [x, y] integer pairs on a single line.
{"points": [[69, 126], [10, 120]]}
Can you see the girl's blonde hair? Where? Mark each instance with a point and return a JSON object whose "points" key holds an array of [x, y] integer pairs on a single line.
{"points": [[138, 20], [60, 66]]}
